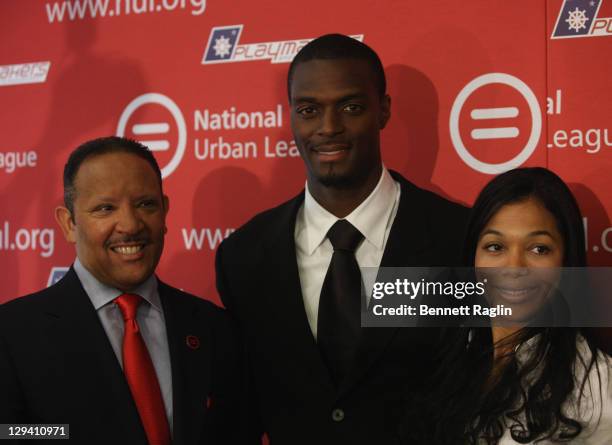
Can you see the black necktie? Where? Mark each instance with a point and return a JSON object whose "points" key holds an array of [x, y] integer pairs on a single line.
{"points": [[339, 321]]}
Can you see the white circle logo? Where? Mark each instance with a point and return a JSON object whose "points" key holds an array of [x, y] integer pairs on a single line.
{"points": [[495, 113], [157, 128]]}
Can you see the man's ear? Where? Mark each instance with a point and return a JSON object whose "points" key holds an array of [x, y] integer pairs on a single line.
{"points": [[66, 222], [385, 111], [166, 203]]}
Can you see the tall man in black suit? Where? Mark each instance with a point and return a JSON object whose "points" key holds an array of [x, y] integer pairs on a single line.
{"points": [[110, 350], [288, 273]]}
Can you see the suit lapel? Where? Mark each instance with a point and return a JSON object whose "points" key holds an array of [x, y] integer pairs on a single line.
{"points": [[281, 281], [408, 239], [191, 365], [405, 247], [89, 358]]}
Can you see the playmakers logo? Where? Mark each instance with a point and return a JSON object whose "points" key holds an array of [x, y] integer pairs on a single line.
{"points": [[22, 73], [223, 47], [579, 18]]}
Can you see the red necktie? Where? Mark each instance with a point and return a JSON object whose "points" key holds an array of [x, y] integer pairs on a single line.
{"points": [[140, 374]]}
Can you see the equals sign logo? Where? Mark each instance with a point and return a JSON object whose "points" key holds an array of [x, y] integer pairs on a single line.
{"points": [[156, 135], [153, 129], [495, 132]]}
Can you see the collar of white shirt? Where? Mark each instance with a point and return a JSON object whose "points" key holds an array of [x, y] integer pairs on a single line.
{"points": [[367, 217], [100, 294]]}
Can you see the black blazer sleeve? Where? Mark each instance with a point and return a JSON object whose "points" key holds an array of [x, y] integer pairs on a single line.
{"points": [[223, 287], [11, 402], [251, 425]]}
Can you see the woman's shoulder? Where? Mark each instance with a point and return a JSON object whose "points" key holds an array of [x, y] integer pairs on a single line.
{"points": [[597, 367], [591, 402]]}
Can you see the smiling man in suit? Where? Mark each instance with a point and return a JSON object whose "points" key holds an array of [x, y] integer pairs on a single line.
{"points": [[111, 350], [291, 274]]}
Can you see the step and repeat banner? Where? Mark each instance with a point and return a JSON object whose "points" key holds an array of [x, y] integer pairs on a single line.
{"points": [[477, 88]]}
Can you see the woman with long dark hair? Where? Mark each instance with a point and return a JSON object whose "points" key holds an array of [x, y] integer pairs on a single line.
{"points": [[521, 384]]}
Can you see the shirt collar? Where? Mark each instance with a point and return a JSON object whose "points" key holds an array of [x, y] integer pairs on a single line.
{"points": [[100, 294], [367, 217]]}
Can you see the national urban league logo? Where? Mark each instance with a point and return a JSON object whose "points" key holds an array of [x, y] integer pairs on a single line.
{"points": [[156, 134], [223, 47], [578, 18], [481, 119]]}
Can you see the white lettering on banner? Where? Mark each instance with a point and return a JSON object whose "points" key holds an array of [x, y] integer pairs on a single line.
{"points": [[230, 119], [592, 140], [194, 238], [71, 10], [12, 160], [220, 148], [282, 149], [42, 240], [23, 73], [553, 104], [605, 239], [224, 150]]}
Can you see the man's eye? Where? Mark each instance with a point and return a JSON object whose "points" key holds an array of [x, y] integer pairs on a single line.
{"points": [[353, 108], [541, 249], [306, 111], [103, 208], [148, 204]]}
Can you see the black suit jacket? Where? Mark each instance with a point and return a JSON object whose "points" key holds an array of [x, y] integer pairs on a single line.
{"points": [[258, 280], [57, 366]]}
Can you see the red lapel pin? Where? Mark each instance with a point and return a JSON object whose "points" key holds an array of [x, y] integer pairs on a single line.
{"points": [[193, 342]]}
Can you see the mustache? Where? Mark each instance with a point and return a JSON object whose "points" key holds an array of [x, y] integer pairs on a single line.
{"points": [[129, 239]]}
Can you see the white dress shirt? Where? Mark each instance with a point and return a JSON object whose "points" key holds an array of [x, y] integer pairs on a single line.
{"points": [[150, 318], [594, 411], [373, 218]]}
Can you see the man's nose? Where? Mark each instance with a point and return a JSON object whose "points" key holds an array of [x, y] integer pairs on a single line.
{"points": [[331, 123], [128, 220]]}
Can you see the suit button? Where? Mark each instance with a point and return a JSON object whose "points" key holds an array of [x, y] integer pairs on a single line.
{"points": [[337, 415]]}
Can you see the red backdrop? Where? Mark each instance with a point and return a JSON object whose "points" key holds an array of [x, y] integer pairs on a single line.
{"points": [[477, 87]]}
